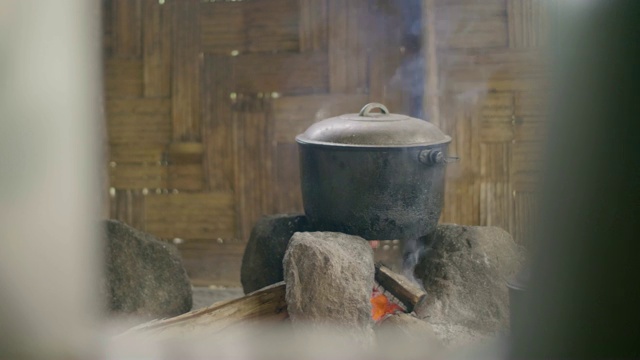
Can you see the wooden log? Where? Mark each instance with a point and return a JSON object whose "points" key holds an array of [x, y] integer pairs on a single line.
{"points": [[399, 286], [267, 304]]}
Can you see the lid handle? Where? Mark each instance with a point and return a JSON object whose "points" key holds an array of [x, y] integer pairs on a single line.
{"points": [[366, 110]]}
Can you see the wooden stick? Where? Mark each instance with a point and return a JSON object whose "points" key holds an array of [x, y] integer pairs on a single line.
{"points": [[410, 294], [267, 304]]}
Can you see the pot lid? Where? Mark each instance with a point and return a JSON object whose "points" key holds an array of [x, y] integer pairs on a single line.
{"points": [[373, 129]]}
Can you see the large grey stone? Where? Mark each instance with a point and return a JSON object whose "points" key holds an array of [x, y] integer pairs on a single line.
{"points": [[262, 260], [329, 279], [144, 277], [464, 272]]}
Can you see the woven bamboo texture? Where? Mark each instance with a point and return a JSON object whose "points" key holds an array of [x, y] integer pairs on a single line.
{"points": [[204, 99]]}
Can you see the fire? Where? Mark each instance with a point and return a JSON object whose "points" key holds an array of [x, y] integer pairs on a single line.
{"points": [[381, 306]]}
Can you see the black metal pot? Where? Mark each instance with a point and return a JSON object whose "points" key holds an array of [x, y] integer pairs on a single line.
{"points": [[376, 175]]}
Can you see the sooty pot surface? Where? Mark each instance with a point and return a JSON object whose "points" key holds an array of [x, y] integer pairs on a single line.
{"points": [[379, 176]]}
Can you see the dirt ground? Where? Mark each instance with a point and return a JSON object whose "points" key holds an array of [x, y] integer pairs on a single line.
{"points": [[205, 296]]}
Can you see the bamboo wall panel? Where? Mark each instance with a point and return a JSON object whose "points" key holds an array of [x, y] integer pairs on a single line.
{"points": [[313, 25], [492, 78], [528, 23], [288, 73], [190, 216], [218, 122], [186, 71], [127, 17], [254, 26], [157, 29], [123, 77], [204, 100]]}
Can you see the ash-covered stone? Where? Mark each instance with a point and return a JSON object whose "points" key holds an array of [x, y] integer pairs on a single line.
{"points": [[464, 272], [329, 278], [262, 260], [144, 277], [408, 327]]}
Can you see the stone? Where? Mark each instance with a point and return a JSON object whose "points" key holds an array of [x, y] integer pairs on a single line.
{"points": [[144, 277], [464, 271], [329, 279], [262, 260]]}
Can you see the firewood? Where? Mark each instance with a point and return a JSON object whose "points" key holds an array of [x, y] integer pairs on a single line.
{"points": [[267, 304], [408, 293]]}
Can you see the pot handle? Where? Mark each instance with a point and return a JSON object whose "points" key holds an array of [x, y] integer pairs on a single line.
{"points": [[366, 110], [435, 157]]}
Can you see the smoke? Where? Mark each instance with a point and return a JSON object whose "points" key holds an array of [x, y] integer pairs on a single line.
{"points": [[413, 251]]}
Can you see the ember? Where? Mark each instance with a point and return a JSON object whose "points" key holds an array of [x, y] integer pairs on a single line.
{"points": [[381, 306]]}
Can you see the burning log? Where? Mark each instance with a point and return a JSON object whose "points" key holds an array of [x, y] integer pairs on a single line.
{"points": [[408, 293]]}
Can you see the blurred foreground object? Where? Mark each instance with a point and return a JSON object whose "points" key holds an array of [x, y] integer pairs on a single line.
{"points": [[49, 194], [584, 293]]}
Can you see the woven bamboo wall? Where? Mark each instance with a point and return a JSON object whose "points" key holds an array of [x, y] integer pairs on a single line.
{"points": [[485, 89], [204, 99]]}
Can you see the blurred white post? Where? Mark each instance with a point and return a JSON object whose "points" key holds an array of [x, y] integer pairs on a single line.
{"points": [[50, 89]]}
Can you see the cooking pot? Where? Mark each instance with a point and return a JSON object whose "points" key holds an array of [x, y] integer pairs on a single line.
{"points": [[373, 174]]}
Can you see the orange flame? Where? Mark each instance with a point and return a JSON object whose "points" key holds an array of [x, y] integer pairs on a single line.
{"points": [[381, 306]]}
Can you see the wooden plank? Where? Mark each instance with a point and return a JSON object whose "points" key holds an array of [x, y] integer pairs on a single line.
{"points": [[498, 105], [127, 28], [431, 96], [212, 261], [473, 57], [462, 202], [386, 58], [528, 23], [288, 196], [313, 32], [272, 25], [294, 114], [265, 305], [530, 130], [190, 215], [138, 106], [495, 189], [526, 164], [282, 72], [496, 204], [530, 104], [470, 8], [107, 27], [123, 78], [524, 216], [222, 27], [494, 163], [128, 207], [217, 123], [481, 33], [186, 71], [347, 46], [185, 166], [157, 22], [496, 130], [139, 128], [253, 169], [150, 153], [186, 177], [138, 176]]}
